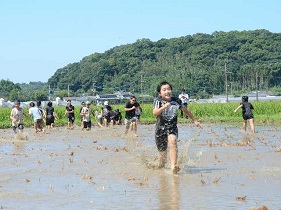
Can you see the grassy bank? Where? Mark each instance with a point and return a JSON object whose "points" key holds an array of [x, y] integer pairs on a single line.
{"points": [[265, 113]]}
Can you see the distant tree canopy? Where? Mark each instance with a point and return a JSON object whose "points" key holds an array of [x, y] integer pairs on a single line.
{"points": [[23, 92], [9, 90], [203, 64], [199, 63]]}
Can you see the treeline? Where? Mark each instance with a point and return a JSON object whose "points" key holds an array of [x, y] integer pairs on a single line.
{"points": [[203, 64], [200, 63]]}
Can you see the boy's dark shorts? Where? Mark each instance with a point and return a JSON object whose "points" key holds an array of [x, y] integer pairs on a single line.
{"points": [[248, 116], [161, 137], [50, 119], [39, 121], [20, 127], [87, 124], [70, 119]]}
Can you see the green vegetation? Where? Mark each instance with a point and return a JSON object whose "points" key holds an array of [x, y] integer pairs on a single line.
{"points": [[199, 63], [265, 113]]}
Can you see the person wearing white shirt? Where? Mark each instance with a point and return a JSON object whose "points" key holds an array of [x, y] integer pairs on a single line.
{"points": [[184, 99]]}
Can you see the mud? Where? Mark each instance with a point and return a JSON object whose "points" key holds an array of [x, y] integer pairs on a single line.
{"points": [[221, 168]]}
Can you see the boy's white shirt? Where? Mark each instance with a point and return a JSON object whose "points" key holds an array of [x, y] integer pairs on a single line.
{"points": [[34, 111], [185, 100]]}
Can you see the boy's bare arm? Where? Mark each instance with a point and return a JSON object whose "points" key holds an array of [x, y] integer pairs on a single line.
{"points": [[240, 106], [157, 111], [190, 115]]}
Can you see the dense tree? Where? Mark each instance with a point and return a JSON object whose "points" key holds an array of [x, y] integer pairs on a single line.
{"points": [[200, 63], [9, 90], [196, 62]]}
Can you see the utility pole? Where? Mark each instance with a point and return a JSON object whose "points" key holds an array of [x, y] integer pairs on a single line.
{"points": [[141, 87], [49, 92], [94, 88], [225, 73], [257, 87], [68, 90]]}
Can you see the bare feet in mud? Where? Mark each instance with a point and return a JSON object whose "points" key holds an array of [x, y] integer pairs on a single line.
{"points": [[176, 169]]}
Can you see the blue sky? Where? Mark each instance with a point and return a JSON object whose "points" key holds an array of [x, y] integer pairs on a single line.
{"points": [[38, 37]]}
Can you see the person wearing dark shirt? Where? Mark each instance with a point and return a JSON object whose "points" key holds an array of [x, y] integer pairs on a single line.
{"points": [[166, 131], [50, 115], [69, 112], [130, 115], [118, 117], [247, 114]]}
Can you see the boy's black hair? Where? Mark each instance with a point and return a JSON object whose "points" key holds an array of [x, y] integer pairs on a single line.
{"points": [[32, 104], [158, 89], [245, 98], [50, 104], [38, 103]]}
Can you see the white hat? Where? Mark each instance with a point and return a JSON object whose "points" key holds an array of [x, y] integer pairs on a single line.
{"points": [[105, 103]]}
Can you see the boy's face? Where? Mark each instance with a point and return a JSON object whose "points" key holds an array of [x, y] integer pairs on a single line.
{"points": [[17, 105], [166, 92]]}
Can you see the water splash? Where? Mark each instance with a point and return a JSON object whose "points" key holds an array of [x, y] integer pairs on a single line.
{"points": [[21, 136]]}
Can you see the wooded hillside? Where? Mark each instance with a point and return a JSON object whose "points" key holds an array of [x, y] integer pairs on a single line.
{"points": [[203, 64], [199, 63]]}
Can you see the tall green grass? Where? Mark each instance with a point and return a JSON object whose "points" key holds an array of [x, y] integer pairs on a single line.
{"points": [[265, 113]]}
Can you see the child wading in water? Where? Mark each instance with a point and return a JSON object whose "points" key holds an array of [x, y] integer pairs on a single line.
{"points": [[247, 113], [17, 117], [166, 132]]}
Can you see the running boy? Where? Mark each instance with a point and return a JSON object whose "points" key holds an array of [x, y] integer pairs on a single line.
{"points": [[36, 114], [247, 113], [70, 114], [50, 115], [130, 115], [17, 117], [166, 132]]}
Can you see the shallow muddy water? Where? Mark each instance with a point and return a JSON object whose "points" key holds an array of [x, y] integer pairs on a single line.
{"points": [[221, 168]]}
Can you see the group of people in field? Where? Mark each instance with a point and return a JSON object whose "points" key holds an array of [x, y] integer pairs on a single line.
{"points": [[105, 116], [165, 110]]}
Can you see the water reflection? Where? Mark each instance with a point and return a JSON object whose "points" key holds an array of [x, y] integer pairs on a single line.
{"points": [[169, 193]]}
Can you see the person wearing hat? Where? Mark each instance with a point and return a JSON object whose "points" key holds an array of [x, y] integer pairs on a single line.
{"points": [[106, 113], [16, 117], [86, 113]]}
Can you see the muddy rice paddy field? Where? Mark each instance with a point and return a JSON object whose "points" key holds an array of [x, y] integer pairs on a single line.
{"points": [[221, 168]]}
